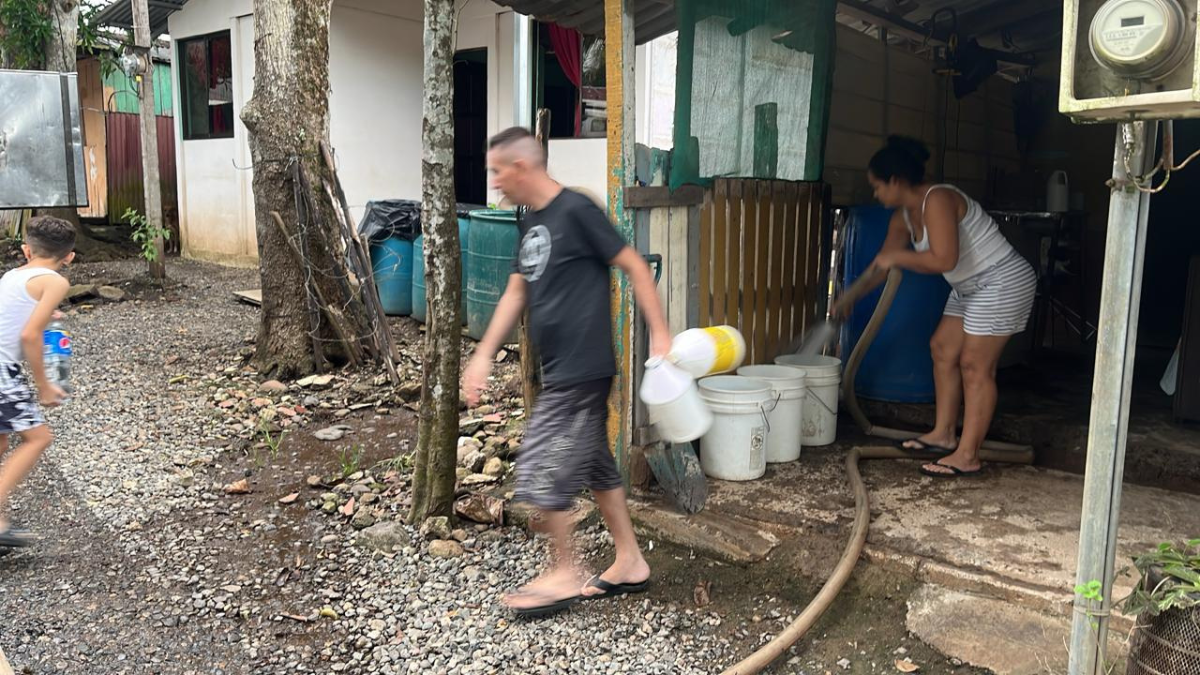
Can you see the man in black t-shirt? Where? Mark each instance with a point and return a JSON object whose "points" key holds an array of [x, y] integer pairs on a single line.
{"points": [[561, 274]]}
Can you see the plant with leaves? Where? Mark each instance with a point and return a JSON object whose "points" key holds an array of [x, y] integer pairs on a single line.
{"points": [[25, 28], [1170, 579], [144, 234]]}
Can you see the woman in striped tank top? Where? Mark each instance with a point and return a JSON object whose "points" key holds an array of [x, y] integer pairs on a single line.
{"points": [[938, 229]]}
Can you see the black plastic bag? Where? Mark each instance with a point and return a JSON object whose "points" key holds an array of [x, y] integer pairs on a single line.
{"points": [[389, 218]]}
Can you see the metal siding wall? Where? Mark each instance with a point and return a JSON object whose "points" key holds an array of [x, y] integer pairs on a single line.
{"points": [[120, 97], [125, 190]]}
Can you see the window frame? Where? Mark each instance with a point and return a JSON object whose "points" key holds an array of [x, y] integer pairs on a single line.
{"points": [[187, 134]]}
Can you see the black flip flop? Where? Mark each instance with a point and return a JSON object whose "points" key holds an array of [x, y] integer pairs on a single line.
{"points": [[924, 447], [14, 538], [611, 590], [547, 609], [956, 472]]}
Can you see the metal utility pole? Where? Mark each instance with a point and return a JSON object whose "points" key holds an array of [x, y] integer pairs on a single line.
{"points": [[151, 184], [1116, 342]]}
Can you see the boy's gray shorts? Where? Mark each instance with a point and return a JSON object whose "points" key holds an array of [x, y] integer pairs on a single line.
{"points": [[566, 447]]}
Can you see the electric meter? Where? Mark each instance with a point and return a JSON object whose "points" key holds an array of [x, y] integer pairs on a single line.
{"points": [[1140, 39], [1126, 60]]}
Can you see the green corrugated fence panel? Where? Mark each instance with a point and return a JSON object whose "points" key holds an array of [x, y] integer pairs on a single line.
{"points": [[120, 88]]}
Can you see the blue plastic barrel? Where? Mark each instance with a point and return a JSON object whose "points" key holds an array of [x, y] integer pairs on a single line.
{"points": [[392, 268], [418, 284], [898, 366]]}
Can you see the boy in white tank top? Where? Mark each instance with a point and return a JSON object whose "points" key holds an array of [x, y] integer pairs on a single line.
{"points": [[29, 297]]}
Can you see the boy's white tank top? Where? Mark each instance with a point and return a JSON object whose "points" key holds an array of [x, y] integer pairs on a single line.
{"points": [[16, 306]]}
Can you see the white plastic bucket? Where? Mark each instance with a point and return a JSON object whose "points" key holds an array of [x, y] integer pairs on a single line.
{"points": [[735, 448], [708, 351], [673, 402], [784, 441], [823, 377]]}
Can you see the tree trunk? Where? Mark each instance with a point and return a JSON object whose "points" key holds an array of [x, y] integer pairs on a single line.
{"points": [[288, 118], [437, 433], [60, 57]]}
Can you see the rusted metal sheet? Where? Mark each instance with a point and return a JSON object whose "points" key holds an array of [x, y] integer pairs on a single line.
{"points": [[125, 189]]}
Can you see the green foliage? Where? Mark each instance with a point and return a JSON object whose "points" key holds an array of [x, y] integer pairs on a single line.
{"points": [[1170, 579], [350, 459], [145, 234], [27, 28], [93, 40]]}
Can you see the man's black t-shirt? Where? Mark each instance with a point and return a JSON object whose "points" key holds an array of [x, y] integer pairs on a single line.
{"points": [[564, 255]]}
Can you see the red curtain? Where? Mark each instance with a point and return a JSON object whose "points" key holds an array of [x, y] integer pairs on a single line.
{"points": [[567, 44]]}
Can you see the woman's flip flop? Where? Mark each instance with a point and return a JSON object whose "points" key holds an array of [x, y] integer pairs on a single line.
{"points": [[922, 446], [955, 472]]}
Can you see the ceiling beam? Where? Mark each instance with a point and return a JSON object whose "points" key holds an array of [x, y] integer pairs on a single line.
{"points": [[986, 20], [895, 24]]}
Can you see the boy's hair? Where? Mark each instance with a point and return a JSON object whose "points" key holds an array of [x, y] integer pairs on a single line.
{"points": [[50, 237], [519, 142]]}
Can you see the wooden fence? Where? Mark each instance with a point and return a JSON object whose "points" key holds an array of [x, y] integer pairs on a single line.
{"points": [[762, 248]]}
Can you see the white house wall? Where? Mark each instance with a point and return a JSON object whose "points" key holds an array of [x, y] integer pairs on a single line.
{"points": [[216, 215], [375, 112]]}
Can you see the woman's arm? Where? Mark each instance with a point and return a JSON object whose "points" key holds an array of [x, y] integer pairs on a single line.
{"points": [[941, 228]]}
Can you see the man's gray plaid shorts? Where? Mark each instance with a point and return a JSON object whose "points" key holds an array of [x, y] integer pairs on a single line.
{"points": [[566, 447]]}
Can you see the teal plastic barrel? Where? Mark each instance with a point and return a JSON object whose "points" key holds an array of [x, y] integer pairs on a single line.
{"points": [[418, 284], [392, 268], [493, 243]]}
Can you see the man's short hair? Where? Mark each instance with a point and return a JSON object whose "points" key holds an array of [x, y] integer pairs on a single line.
{"points": [[518, 142], [50, 237]]}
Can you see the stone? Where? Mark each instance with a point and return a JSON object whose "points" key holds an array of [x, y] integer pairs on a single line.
{"points": [[494, 467], [474, 461], [470, 427], [111, 293], [333, 433], [384, 536], [81, 292], [410, 391], [363, 518], [480, 508], [436, 528], [273, 386], [313, 481], [316, 382], [240, 487], [479, 479], [459, 535], [445, 549]]}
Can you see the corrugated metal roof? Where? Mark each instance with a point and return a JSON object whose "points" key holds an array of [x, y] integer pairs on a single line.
{"points": [[1031, 24], [119, 13]]}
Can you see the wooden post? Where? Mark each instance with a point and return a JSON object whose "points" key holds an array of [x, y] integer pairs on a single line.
{"points": [[530, 360], [619, 54], [152, 188]]}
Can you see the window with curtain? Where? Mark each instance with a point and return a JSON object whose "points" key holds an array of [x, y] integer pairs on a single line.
{"points": [[206, 87], [571, 82]]}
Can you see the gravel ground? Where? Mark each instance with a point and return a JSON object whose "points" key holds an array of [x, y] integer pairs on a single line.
{"points": [[146, 565]]}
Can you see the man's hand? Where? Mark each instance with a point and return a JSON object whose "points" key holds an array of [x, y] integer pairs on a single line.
{"points": [[51, 395], [660, 344], [475, 379]]}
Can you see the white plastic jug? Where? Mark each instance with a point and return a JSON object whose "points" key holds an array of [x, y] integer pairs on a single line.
{"points": [[708, 351], [735, 448], [673, 402], [784, 441], [1058, 197], [823, 378]]}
